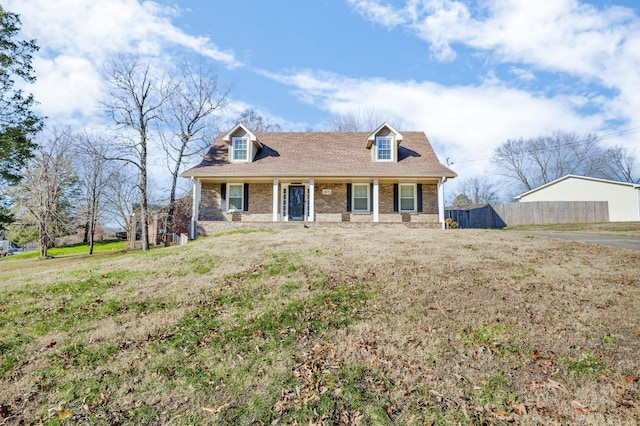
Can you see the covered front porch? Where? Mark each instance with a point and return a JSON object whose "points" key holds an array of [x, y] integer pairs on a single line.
{"points": [[319, 200]]}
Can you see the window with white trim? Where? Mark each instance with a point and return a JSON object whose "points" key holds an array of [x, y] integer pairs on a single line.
{"points": [[407, 197], [360, 197], [235, 196], [240, 148], [383, 148]]}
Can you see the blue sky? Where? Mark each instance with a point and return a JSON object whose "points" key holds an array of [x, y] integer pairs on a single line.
{"points": [[470, 74]]}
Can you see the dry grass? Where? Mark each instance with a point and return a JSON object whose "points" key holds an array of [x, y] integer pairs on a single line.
{"points": [[326, 326], [619, 228]]}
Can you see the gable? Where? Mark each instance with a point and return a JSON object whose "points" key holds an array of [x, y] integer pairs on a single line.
{"points": [[576, 188], [243, 144]]}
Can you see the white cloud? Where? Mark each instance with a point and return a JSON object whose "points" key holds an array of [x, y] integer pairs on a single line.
{"points": [[577, 41], [68, 85], [102, 28], [560, 35], [76, 37], [379, 13], [522, 73], [463, 122]]}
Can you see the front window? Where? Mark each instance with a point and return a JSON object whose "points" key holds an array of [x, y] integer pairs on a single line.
{"points": [[407, 198], [236, 196], [240, 149], [361, 197], [384, 149]]}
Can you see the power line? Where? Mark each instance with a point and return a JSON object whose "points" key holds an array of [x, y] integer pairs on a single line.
{"points": [[574, 143]]}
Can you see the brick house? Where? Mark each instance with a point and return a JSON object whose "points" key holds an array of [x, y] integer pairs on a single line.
{"points": [[383, 176]]}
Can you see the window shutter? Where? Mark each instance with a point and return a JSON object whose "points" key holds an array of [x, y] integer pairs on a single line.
{"points": [[223, 196], [371, 197], [419, 190], [246, 197], [348, 197], [395, 197]]}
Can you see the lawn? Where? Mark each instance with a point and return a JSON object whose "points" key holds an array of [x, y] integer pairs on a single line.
{"points": [[632, 228], [80, 248], [325, 326]]}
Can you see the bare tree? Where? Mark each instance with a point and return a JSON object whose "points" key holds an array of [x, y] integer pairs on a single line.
{"points": [[94, 173], [134, 102], [121, 193], [361, 121], [45, 195], [620, 165], [195, 98], [478, 190], [529, 163], [256, 122]]}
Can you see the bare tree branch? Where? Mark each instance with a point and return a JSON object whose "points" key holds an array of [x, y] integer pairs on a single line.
{"points": [[135, 102], [189, 113]]}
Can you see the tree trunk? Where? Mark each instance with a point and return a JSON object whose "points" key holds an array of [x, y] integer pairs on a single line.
{"points": [[144, 212], [171, 212], [44, 241], [92, 232]]}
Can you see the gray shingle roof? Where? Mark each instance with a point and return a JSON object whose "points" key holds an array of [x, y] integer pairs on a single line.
{"points": [[322, 154]]}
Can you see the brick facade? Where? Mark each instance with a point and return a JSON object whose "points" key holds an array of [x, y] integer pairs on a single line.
{"points": [[336, 202], [330, 204]]}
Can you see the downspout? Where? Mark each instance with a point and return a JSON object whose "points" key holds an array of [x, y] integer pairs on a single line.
{"points": [[441, 201], [194, 208], [638, 193]]}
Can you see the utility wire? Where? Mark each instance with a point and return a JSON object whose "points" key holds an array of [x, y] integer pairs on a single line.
{"points": [[578, 142]]}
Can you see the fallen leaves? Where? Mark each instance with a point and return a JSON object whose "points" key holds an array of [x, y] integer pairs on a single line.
{"points": [[580, 407], [631, 379], [310, 373], [216, 410], [64, 414]]}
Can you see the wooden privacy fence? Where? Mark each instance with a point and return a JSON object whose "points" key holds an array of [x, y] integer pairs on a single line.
{"points": [[530, 213]]}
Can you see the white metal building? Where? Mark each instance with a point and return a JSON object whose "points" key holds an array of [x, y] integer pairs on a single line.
{"points": [[623, 197]]}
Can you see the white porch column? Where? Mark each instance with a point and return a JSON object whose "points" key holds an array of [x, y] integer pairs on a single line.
{"points": [[312, 200], [195, 206], [441, 201], [275, 200], [376, 214]]}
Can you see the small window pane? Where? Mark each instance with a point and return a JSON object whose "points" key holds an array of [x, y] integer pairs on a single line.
{"points": [[360, 191], [406, 191], [384, 148], [235, 203], [235, 191], [360, 204], [239, 149], [406, 204]]}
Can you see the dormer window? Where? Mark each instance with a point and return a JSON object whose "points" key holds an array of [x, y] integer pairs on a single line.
{"points": [[240, 148], [383, 143], [383, 148], [242, 144]]}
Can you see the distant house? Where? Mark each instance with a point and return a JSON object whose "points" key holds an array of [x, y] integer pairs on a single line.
{"points": [[623, 197], [157, 221], [382, 176]]}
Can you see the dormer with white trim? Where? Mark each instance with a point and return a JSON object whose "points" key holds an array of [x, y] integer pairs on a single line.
{"points": [[384, 142], [243, 145]]}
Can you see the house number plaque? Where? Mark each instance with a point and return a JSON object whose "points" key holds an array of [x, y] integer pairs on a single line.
{"points": [[326, 191]]}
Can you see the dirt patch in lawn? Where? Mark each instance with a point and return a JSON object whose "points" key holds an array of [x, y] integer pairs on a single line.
{"points": [[327, 326]]}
